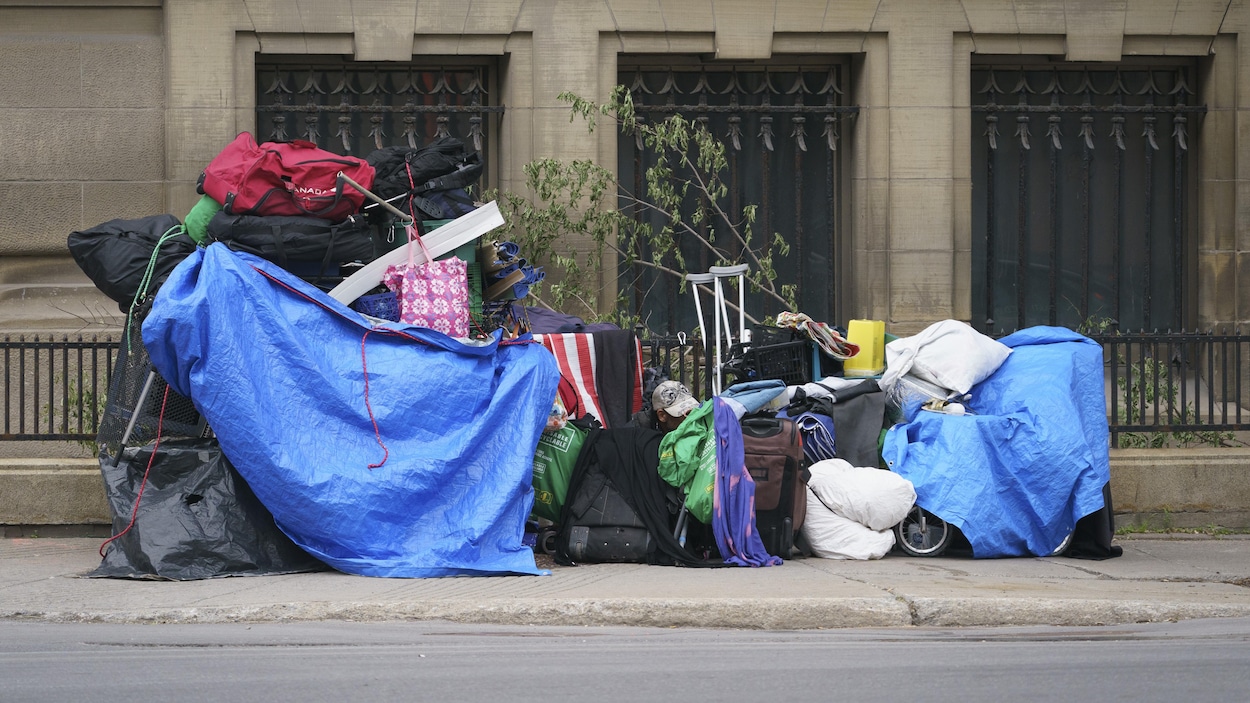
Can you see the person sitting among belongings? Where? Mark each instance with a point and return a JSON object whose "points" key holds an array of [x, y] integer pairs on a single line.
{"points": [[670, 404]]}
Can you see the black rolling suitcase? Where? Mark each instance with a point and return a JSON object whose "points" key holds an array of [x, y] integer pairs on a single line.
{"points": [[773, 450]]}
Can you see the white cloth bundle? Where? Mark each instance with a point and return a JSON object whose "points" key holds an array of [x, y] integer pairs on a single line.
{"points": [[851, 510]]}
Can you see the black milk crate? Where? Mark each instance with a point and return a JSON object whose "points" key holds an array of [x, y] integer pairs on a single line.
{"points": [[790, 362], [763, 335]]}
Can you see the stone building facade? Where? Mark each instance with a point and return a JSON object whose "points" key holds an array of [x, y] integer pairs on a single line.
{"points": [[111, 108]]}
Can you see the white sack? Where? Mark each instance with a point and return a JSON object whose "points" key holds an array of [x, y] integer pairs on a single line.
{"points": [[948, 353], [875, 498], [835, 537]]}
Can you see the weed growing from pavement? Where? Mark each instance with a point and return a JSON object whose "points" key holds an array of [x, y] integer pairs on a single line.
{"points": [[1210, 530]]}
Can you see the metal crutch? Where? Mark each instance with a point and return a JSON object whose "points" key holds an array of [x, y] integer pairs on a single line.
{"points": [[134, 415], [722, 309], [739, 271], [695, 279], [682, 523]]}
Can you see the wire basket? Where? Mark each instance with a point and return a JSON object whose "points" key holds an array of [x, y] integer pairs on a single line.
{"points": [[132, 412], [384, 306], [473, 272], [764, 335]]}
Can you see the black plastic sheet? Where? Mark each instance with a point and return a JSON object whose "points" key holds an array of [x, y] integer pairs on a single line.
{"points": [[197, 518]]}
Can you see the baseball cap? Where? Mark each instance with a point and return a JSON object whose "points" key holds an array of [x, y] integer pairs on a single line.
{"points": [[673, 398]]}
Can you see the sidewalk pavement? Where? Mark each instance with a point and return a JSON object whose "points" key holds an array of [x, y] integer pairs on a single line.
{"points": [[1159, 578]]}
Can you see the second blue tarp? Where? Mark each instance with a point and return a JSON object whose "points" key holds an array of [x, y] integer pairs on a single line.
{"points": [[1031, 460]]}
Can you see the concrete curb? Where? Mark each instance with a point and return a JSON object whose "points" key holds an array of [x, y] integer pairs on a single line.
{"points": [[746, 614], [984, 612], [1157, 580]]}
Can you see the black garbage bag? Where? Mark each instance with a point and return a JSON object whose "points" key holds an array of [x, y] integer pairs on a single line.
{"points": [[197, 519], [115, 254]]}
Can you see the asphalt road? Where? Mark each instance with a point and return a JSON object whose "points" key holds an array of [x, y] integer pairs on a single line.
{"points": [[1191, 661]]}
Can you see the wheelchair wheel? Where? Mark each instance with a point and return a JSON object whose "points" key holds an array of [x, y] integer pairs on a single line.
{"points": [[1063, 546], [922, 534]]}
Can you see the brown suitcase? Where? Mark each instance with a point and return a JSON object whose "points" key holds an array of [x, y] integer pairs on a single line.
{"points": [[773, 450]]}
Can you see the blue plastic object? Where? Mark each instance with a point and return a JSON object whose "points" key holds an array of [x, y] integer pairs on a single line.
{"points": [[1015, 476], [440, 486]]}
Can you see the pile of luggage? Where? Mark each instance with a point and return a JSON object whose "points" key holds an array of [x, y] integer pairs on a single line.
{"points": [[804, 455], [1005, 439], [319, 215], [735, 480]]}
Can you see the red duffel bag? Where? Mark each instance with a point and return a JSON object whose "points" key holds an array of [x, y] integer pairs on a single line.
{"points": [[285, 178]]}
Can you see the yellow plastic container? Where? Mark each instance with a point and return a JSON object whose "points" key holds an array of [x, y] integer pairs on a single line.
{"points": [[870, 336]]}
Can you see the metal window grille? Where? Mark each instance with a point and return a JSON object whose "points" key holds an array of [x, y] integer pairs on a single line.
{"points": [[351, 107], [782, 126], [1081, 188]]}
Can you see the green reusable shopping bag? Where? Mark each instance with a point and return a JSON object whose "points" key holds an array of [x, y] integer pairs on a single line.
{"points": [[553, 466]]}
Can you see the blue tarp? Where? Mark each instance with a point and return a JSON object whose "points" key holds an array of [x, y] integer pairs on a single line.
{"points": [[1016, 476], [279, 371]]}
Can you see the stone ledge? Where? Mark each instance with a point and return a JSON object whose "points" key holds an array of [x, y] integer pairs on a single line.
{"points": [[1180, 488], [52, 492]]}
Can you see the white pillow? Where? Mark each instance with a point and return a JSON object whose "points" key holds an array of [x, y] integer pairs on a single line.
{"points": [[875, 498], [949, 354]]}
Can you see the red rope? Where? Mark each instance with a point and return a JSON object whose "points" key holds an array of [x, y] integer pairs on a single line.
{"points": [[376, 433], [411, 188], [160, 420]]}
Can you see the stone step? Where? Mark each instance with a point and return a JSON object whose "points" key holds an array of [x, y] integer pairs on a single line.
{"points": [[52, 492], [1157, 489]]}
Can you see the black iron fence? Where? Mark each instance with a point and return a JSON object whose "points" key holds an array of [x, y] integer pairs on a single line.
{"points": [[55, 387], [1177, 389], [1164, 389], [681, 359]]}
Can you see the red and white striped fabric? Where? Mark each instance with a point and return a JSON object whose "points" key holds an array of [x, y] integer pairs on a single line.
{"points": [[578, 364], [575, 356]]}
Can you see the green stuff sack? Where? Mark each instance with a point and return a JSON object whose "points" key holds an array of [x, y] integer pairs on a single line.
{"points": [[688, 461], [553, 466], [196, 221]]}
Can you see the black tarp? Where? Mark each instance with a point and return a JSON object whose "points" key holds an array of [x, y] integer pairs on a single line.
{"points": [[197, 518]]}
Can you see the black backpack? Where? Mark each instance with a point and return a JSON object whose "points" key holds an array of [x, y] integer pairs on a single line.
{"points": [[432, 179], [618, 509]]}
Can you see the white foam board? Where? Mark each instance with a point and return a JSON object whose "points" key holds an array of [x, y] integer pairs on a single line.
{"points": [[454, 234]]}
